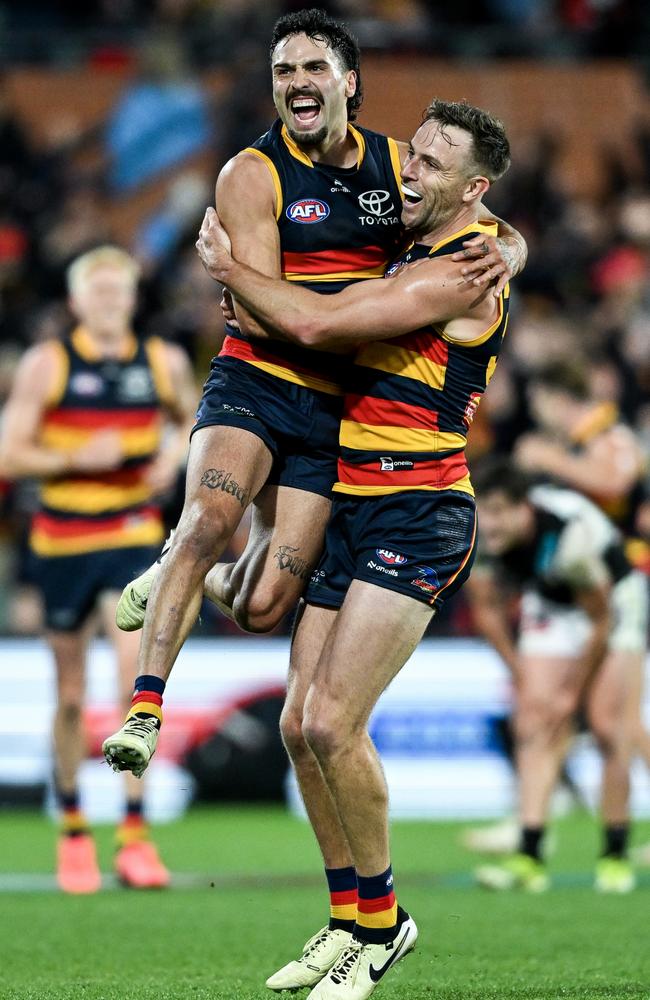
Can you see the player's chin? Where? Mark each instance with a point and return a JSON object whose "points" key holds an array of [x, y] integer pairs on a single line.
{"points": [[311, 135], [412, 215]]}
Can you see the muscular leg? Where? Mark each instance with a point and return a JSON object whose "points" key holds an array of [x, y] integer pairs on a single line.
{"points": [[607, 703], [310, 643], [635, 725], [374, 634], [227, 467], [285, 542], [547, 697], [69, 650]]}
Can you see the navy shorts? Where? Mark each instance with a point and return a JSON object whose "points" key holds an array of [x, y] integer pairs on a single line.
{"points": [[70, 585], [299, 426], [420, 543]]}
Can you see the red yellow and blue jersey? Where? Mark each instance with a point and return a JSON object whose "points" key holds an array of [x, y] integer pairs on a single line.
{"points": [[87, 512], [337, 225], [405, 425]]}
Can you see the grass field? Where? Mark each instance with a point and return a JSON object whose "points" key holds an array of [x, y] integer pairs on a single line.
{"points": [[248, 892]]}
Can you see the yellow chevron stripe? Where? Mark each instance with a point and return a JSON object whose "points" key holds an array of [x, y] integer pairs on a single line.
{"points": [[369, 437], [135, 441], [396, 164], [147, 533], [275, 177], [385, 918], [145, 706], [320, 385], [398, 361], [463, 485], [376, 272], [93, 498]]}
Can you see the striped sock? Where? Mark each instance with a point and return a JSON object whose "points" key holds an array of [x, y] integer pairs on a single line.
{"points": [[73, 821], [147, 698], [342, 884], [377, 908]]}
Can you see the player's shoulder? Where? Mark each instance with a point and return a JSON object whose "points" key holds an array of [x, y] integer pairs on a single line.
{"points": [[44, 356]]}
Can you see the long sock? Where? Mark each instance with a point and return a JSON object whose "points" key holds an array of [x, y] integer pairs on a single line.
{"points": [[531, 841], [378, 915], [73, 821], [133, 826], [342, 884], [147, 698], [616, 837]]}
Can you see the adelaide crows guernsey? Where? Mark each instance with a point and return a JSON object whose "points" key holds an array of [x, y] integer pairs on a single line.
{"points": [[405, 425], [337, 225], [86, 512]]}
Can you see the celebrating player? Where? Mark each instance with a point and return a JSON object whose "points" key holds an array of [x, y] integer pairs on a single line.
{"points": [[582, 628], [401, 536], [85, 417]]}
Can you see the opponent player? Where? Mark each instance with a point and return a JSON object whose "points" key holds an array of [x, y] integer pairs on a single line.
{"points": [[583, 620], [401, 536], [85, 416], [318, 201]]}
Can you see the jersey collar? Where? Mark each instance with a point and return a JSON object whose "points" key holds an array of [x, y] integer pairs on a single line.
{"points": [[601, 418], [299, 154], [84, 345]]}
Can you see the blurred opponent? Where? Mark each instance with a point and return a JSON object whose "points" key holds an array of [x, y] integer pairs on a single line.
{"points": [[85, 416], [316, 201], [582, 632]]}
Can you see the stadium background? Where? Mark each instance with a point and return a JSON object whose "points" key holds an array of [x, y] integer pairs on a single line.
{"points": [[115, 118]]}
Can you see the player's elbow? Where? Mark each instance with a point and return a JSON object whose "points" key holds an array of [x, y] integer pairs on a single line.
{"points": [[309, 331]]}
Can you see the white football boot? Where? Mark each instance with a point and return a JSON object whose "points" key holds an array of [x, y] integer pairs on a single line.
{"points": [[362, 966], [132, 747], [132, 605], [319, 955]]}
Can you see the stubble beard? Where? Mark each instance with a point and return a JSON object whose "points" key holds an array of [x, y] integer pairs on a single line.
{"points": [[309, 139]]}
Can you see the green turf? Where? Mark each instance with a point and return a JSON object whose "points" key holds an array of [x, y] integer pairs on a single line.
{"points": [[259, 894]]}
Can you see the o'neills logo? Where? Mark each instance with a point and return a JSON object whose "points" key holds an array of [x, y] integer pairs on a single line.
{"points": [[388, 464]]}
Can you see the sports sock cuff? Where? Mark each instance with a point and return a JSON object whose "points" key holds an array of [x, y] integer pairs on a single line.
{"points": [[147, 682], [616, 838], [342, 883], [377, 906], [341, 879]]}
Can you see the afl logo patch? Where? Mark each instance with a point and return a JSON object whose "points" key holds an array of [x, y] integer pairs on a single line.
{"points": [[392, 558], [308, 210]]}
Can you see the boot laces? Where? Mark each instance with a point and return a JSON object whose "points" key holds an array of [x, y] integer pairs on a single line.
{"points": [[345, 966]]}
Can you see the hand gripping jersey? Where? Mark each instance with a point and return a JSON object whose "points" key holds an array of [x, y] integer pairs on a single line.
{"points": [[88, 512], [337, 225], [405, 425]]}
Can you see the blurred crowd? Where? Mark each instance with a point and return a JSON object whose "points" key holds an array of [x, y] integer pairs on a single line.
{"points": [[583, 299]]}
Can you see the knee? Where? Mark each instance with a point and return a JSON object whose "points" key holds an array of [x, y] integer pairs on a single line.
{"points": [[323, 735], [292, 734], [538, 718], [70, 707], [261, 609], [609, 734], [201, 534]]}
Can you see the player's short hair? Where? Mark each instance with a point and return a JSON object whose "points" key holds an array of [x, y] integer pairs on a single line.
{"points": [[318, 25], [566, 377], [104, 256], [490, 142], [499, 474]]}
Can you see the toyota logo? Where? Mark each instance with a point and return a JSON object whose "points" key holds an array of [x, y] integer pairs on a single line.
{"points": [[376, 202]]}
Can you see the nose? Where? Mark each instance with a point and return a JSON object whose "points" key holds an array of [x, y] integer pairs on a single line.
{"points": [[409, 171], [300, 78]]}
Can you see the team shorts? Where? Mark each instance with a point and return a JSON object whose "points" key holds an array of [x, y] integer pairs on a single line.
{"points": [[420, 543], [299, 426], [550, 629], [71, 585]]}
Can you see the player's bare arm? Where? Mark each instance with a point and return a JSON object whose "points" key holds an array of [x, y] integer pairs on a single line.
{"points": [[248, 209], [429, 292], [596, 603], [487, 602], [22, 453]]}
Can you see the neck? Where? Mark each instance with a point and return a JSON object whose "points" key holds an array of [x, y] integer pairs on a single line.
{"points": [[460, 220], [108, 343], [338, 150]]}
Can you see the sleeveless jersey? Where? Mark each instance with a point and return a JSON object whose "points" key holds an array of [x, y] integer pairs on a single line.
{"points": [[87, 512], [405, 425], [337, 225]]}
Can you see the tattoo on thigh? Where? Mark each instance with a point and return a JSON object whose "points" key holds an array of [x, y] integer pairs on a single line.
{"points": [[218, 479], [295, 564]]}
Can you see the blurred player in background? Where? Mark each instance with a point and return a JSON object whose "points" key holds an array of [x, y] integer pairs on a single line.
{"points": [[582, 638], [85, 416], [401, 536], [316, 201]]}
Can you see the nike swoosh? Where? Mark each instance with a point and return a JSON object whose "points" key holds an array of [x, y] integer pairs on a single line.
{"points": [[376, 974]]}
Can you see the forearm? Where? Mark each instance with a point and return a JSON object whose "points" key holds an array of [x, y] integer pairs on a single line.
{"points": [[588, 476], [493, 626], [34, 460]]}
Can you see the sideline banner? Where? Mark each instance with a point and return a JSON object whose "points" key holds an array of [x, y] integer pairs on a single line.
{"points": [[436, 727]]}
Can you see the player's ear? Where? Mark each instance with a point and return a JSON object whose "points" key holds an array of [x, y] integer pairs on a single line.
{"points": [[476, 188], [351, 83]]}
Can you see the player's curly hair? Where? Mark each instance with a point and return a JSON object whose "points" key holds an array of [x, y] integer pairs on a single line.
{"points": [[499, 474], [491, 146], [316, 24]]}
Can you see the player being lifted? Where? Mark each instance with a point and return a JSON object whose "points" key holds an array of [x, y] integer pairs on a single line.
{"points": [[295, 204]]}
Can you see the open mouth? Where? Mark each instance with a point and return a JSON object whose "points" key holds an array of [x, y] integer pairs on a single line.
{"points": [[305, 110], [411, 197]]}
